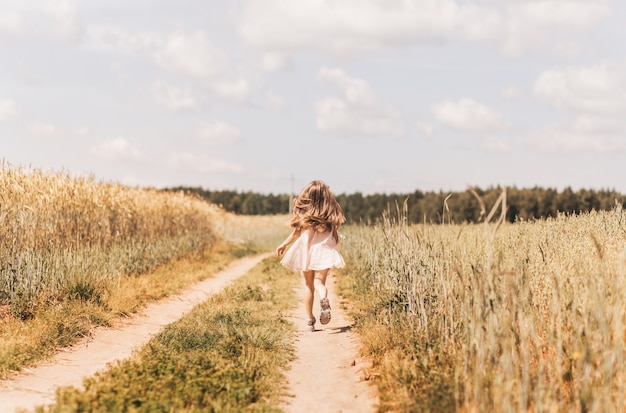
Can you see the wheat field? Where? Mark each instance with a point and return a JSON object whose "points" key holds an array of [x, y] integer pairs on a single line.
{"points": [[63, 236], [529, 316]]}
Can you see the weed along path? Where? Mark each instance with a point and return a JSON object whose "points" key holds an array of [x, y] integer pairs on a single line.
{"points": [[328, 375], [37, 386]]}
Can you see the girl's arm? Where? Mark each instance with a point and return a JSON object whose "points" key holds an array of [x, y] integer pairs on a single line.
{"points": [[295, 234]]}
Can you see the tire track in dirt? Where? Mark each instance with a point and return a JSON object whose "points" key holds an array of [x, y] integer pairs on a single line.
{"points": [[328, 375], [36, 386]]}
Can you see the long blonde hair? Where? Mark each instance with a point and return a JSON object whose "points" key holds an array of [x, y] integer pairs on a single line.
{"points": [[316, 208]]}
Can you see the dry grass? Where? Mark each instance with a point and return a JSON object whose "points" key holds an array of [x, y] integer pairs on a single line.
{"points": [[525, 317], [257, 232]]}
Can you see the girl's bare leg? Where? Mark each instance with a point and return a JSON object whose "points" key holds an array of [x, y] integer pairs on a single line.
{"points": [[320, 287], [320, 283], [309, 292]]}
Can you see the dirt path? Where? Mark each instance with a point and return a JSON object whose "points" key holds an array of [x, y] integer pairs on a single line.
{"points": [[328, 375], [37, 386]]}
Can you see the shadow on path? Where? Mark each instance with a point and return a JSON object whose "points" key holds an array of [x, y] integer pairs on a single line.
{"points": [[339, 330]]}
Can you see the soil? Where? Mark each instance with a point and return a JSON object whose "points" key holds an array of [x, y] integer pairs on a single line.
{"points": [[327, 376]]}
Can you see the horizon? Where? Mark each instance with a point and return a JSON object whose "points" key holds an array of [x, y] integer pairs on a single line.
{"points": [[30, 169], [439, 191]]}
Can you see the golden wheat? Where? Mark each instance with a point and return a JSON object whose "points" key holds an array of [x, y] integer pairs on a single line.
{"points": [[529, 318], [66, 234]]}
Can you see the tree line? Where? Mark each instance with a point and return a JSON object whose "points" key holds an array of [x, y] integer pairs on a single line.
{"points": [[431, 207]]}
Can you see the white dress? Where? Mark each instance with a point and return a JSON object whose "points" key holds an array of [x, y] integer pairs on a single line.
{"points": [[313, 251]]}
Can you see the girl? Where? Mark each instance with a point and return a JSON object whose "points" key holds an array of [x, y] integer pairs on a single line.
{"points": [[315, 221]]}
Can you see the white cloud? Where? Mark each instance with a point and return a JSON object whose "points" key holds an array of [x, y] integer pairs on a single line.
{"points": [[595, 97], [237, 91], [63, 13], [467, 115], [550, 24], [336, 116], [599, 125], [511, 92], [354, 26], [273, 62], [8, 110], [274, 102], [81, 130], [356, 91], [357, 112], [33, 19], [46, 129], [575, 137], [598, 89], [11, 24], [218, 133], [172, 98], [191, 54], [117, 39], [203, 164], [117, 149], [42, 129], [350, 26], [188, 54]]}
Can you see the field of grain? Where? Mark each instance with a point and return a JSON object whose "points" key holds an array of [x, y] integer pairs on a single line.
{"points": [[529, 316], [67, 236]]}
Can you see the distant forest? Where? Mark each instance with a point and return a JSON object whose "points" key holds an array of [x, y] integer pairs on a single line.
{"points": [[522, 204]]}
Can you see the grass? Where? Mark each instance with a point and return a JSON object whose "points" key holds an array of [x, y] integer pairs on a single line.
{"points": [[62, 322], [226, 355], [528, 316]]}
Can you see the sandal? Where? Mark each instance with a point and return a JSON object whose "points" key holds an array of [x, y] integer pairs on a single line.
{"points": [[325, 314], [310, 324]]}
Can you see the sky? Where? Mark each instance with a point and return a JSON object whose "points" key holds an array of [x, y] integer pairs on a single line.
{"points": [[371, 96]]}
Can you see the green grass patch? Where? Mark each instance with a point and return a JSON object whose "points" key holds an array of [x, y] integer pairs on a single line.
{"points": [[228, 355]]}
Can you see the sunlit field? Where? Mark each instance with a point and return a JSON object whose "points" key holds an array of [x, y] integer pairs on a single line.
{"points": [[528, 316], [68, 236], [506, 317]]}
